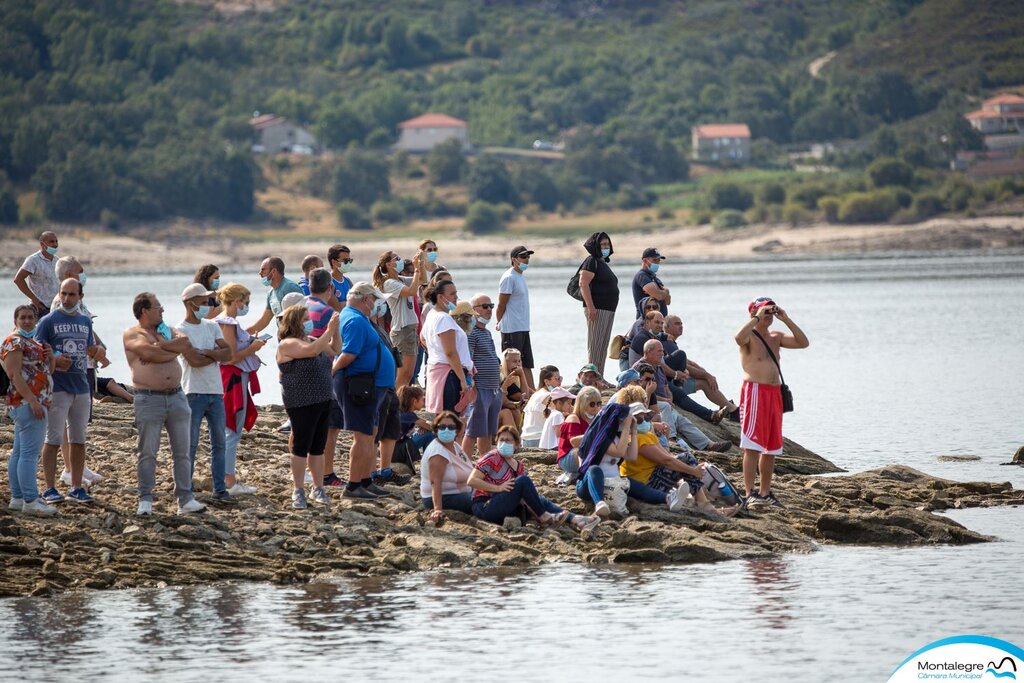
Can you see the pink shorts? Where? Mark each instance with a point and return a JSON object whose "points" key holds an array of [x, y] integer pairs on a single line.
{"points": [[761, 418]]}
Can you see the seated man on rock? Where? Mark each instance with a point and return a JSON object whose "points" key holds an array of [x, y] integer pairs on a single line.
{"points": [[671, 425], [692, 376], [654, 355], [653, 328], [589, 376]]}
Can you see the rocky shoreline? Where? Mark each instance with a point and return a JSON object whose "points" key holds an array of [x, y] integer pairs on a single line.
{"points": [[261, 538]]}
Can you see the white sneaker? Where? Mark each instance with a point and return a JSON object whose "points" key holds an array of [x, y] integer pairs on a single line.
{"points": [[602, 509], [680, 497], [39, 507], [240, 489], [16, 504], [318, 495], [91, 477], [191, 506], [145, 508]]}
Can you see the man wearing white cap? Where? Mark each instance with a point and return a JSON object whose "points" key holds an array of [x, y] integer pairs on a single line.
{"points": [[204, 389]]}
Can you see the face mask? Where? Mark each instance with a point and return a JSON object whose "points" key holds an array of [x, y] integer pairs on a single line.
{"points": [[27, 335], [69, 311], [446, 435], [506, 449], [266, 282], [379, 308], [164, 331], [591, 415], [345, 267], [482, 320], [203, 311], [307, 327], [523, 267], [643, 427], [432, 256], [449, 305], [244, 310], [654, 267], [605, 253], [549, 387], [82, 278], [215, 283], [52, 251]]}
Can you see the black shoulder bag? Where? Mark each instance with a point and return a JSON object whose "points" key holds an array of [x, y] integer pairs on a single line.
{"points": [[362, 388], [787, 395], [573, 288]]}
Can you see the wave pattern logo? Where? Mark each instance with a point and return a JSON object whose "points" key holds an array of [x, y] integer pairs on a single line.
{"points": [[962, 658], [996, 669]]}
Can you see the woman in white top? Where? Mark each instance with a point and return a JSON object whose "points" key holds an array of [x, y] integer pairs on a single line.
{"points": [[445, 469], [401, 292], [448, 359], [533, 414], [559, 406]]}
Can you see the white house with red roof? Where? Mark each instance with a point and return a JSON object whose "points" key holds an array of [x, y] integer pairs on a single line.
{"points": [[1001, 114], [423, 133], [276, 134], [718, 142]]}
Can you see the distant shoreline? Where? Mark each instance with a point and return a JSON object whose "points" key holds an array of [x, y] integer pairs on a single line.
{"points": [[126, 254]]}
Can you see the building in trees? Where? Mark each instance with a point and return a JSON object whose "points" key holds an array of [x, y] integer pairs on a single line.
{"points": [[423, 133], [1001, 114], [276, 134], [721, 142]]}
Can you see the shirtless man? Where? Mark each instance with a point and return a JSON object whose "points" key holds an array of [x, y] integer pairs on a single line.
{"points": [[152, 349], [761, 396]]}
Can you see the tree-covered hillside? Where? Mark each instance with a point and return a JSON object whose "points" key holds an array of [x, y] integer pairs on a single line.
{"points": [[141, 109]]}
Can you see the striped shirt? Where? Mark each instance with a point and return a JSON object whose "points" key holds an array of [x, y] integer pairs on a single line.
{"points": [[485, 359], [496, 470], [320, 313]]}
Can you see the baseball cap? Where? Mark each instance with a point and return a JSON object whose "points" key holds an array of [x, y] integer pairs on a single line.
{"points": [[652, 252], [559, 392], [758, 303], [463, 308], [292, 299], [589, 367], [638, 408], [195, 289], [520, 251], [625, 377], [365, 289]]}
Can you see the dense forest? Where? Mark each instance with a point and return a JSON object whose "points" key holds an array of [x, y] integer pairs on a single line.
{"points": [[120, 109]]}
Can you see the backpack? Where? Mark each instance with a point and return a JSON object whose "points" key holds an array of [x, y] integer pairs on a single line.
{"points": [[573, 288], [406, 453], [718, 487], [5, 382]]}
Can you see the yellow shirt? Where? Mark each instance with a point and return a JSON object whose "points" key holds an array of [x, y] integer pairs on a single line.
{"points": [[642, 468]]}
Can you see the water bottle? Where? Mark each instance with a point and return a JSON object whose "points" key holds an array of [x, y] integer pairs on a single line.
{"points": [[725, 489]]}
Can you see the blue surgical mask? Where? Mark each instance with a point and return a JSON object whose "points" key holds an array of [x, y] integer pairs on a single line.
{"points": [[307, 327], [27, 335], [449, 305], [523, 267], [654, 267], [345, 267], [643, 426], [605, 253], [380, 307], [203, 311], [215, 283], [266, 282], [482, 320], [52, 251], [164, 331], [432, 256], [82, 278], [244, 310], [69, 311], [506, 449], [446, 435]]}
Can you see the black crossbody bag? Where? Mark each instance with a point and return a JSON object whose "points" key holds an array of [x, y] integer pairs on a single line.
{"points": [[787, 395], [362, 388]]}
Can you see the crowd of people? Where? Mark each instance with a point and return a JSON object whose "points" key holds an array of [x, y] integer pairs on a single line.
{"points": [[352, 355]]}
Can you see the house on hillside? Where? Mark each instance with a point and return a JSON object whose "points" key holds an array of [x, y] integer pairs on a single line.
{"points": [[1001, 114], [275, 134], [423, 133], [716, 142]]}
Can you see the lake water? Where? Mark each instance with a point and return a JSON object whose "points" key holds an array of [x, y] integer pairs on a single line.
{"points": [[910, 358]]}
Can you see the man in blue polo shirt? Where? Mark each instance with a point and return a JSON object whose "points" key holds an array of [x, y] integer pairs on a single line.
{"points": [[362, 351]]}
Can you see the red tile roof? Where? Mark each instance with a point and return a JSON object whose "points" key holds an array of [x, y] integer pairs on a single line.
{"points": [[722, 130], [1005, 98], [986, 114], [265, 121], [433, 121]]}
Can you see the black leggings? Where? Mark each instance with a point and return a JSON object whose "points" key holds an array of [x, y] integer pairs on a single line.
{"points": [[309, 428]]}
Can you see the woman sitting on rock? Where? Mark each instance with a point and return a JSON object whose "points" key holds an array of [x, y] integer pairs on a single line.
{"points": [[305, 366], [445, 469], [514, 388], [502, 487], [570, 435], [533, 415]]}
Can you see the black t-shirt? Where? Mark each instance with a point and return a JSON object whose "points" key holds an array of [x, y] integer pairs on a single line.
{"points": [[643, 278], [604, 288]]}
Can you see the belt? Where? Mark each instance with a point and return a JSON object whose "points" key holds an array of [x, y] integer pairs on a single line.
{"points": [[158, 392]]}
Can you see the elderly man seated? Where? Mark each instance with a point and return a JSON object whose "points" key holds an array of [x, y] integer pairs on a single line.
{"points": [[669, 424], [654, 355], [589, 376]]}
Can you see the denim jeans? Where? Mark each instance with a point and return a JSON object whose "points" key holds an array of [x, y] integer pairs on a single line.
{"points": [[501, 505], [422, 440], [154, 412], [590, 487], [570, 462], [680, 427], [28, 443], [210, 406], [232, 437], [645, 493], [463, 502], [683, 400], [421, 356]]}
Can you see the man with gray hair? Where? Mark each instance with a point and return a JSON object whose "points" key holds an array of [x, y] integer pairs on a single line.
{"points": [[36, 278], [483, 422]]}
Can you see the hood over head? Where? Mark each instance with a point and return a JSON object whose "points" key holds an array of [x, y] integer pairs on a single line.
{"points": [[593, 244]]}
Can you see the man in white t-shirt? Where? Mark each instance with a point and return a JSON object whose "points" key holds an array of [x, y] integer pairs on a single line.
{"points": [[36, 278], [200, 378], [513, 312]]}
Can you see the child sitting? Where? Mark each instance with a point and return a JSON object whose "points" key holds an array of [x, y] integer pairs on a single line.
{"points": [[558, 405]]}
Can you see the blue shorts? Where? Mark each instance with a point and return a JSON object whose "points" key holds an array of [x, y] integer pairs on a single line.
{"points": [[362, 419], [484, 418]]}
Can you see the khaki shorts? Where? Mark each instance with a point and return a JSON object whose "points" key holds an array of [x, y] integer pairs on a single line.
{"points": [[405, 340]]}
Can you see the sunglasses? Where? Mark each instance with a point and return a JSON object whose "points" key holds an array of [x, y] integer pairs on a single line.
{"points": [[448, 426], [430, 249], [593, 404], [346, 260], [486, 307]]}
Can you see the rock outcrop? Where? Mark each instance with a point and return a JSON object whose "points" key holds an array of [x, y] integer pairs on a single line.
{"points": [[261, 538]]}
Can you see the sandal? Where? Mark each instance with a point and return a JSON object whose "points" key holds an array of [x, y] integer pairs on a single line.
{"points": [[559, 519], [719, 415]]}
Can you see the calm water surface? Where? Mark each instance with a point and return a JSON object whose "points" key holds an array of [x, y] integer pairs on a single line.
{"points": [[910, 358]]}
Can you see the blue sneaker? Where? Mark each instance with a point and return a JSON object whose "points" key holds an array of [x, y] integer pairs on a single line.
{"points": [[52, 495], [79, 495]]}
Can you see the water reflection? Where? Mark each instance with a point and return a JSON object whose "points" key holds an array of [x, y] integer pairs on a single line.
{"points": [[772, 588]]}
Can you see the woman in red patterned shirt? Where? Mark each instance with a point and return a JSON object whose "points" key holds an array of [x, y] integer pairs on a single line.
{"points": [[29, 365], [502, 487]]}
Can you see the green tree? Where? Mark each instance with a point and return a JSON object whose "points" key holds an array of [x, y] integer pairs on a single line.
{"points": [[489, 181], [361, 177], [725, 195], [336, 127], [535, 186], [483, 217], [353, 216], [8, 201], [888, 172], [446, 163]]}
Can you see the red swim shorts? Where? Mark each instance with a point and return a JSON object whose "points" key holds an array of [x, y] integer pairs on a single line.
{"points": [[761, 418]]}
